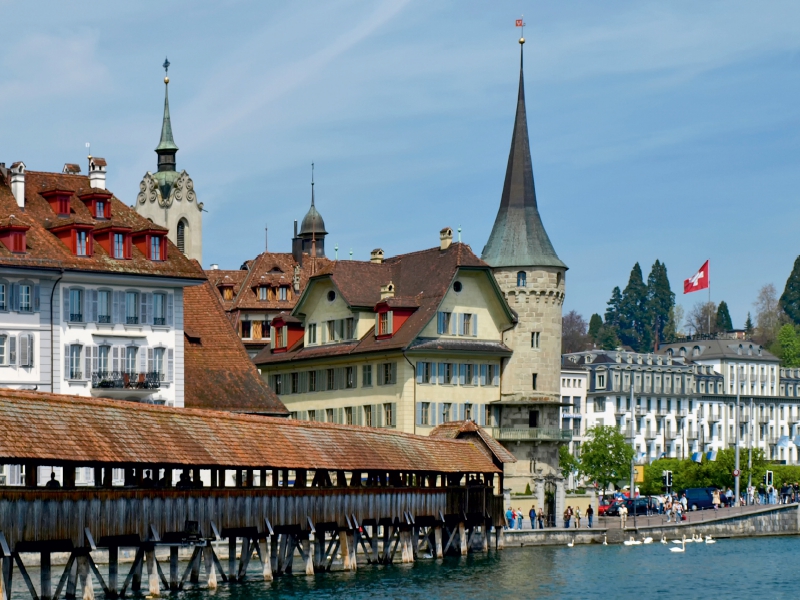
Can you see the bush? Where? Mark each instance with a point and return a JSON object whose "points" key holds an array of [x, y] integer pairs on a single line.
{"points": [[527, 489]]}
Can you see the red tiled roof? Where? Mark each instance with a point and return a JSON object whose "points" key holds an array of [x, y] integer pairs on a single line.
{"points": [[52, 429], [464, 429], [218, 374], [45, 250]]}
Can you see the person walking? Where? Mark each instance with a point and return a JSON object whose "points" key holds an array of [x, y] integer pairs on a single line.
{"points": [[577, 517], [668, 509], [684, 503], [532, 515], [520, 518], [590, 515], [623, 515], [567, 517], [510, 518], [540, 517], [715, 499]]}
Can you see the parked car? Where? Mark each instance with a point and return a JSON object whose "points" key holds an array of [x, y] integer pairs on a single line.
{"points": [[643, 507], [602, 507], [702, 498]]}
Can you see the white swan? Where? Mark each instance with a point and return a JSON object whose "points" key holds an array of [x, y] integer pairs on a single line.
{"points": [[710, 540], [629, 542], [689, 541], [647, 540], [605, 540], [571, 544], [663, 539], [682, 548], [678, 541]]}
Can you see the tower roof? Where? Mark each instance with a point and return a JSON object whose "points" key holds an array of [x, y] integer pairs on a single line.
{"points": [[518, 237], [312, 223], [167, 143]]}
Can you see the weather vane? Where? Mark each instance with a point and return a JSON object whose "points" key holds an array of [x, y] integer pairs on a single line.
{"points": [[166, 70], [521, 23]]}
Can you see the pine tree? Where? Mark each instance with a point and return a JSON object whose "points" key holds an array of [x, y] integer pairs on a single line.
{"points": [[748, 325], [660, 301], [723, 322], [612, 308], [634, 330], [607, 338], [790, 299], [595, 323]]}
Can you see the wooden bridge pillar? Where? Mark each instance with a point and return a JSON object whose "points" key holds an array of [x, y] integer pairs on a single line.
{"points": [[437, 535], [154, 587], [462, 538], [113, 568], [211, 572], [232, 550], [267, 558], [344, 548], [85, 577], [174, 575], [72, 581], [46, 577]]}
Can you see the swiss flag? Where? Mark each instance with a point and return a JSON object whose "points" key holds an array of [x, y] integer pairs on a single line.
{"points": [[698, 281], [519, 23]]}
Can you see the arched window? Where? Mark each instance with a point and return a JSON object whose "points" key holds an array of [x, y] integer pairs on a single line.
{"points": [[182, 236], [522, 279]]}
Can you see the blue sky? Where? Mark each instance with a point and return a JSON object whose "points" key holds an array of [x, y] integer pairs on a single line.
{"points": [[661, 130]]}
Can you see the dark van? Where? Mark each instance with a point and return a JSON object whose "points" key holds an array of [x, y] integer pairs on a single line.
{"points": [[701, 498]]}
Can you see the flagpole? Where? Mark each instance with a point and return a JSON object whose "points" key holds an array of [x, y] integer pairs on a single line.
{"points": [[709, 296]]}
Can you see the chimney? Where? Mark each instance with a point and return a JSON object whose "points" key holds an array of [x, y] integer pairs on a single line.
{"points": [[376, 256], [445, 238], [97, 172], [387, 291], [71, 169], [214, 267], [18, 182]]}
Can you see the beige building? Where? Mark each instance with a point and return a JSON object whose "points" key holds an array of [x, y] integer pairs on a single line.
{"points": [[408, 343]]}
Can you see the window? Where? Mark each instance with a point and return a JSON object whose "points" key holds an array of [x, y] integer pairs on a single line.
{"points": [[388, 373], [457, 287], [312, 381], [601, 381], [102, 359], [366, 376], [467, 324], [100, 210], [349, 377], [425, 413], [283, 292], [104, 306], [446, 412], [81, 243], [468, 411], [262, 292], [425, 372], [25, 298], [448, 372], [331, 296], [74, 362], [368, 416], [330, 379], [159, 309], [3, 298], [132, 308], [535, 339], [443, 322], [277, 384], [312, 415], [227, 293], [119, 245], [349, 328], [294, 382], [158, 366], [385, 323], [469, 374], [534, 377], [155, 247], [312, 333], [522, 279], [130, 360], [348, 415], [600, 404], [246, 329], [388, 415], [76, 305], [182, 236], [3, 343]]}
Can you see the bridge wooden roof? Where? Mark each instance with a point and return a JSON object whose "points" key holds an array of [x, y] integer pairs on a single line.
{"points": [[52, 429]]}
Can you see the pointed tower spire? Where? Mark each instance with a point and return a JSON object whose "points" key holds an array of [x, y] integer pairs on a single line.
{"points": [[518, 237], [166, 148]]}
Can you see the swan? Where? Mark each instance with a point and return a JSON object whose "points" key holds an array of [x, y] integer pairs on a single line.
{"points": [[571, 544], [689, 541], [647, 540], [678, 541], [629, 542], [682, 548], [710, 540], [605, 540], [663, 539]]}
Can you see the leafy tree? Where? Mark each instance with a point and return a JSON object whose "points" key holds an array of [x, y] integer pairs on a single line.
{"points": [[634, 329], [790, 299], [660, 301], [789, 343], [605, 456], [595, 324], [689, 474], [673, 329], [567, 462], [768, 315], [701, 316], [723, 320], [607, 338], [573, 333], [748, 325]]}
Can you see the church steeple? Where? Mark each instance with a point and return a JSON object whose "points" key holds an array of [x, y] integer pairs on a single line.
{"points": [[518, 237], [166, 148]]}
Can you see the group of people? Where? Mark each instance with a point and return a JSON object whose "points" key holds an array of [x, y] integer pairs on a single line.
{"points": [[788, 493], [572, 517]]}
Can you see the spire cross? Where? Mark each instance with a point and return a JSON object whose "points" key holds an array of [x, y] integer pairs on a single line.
{"points": [[521, 24], [166, 66]]}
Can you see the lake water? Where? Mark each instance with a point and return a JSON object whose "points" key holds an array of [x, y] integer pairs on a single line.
{"points": [[751, 568]]}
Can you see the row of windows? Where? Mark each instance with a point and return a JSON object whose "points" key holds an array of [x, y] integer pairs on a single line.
{"points": [[431, 414], [255, 330], [457, 374], [84, 362], [370, 415], [109, 306], [330, 332], [339, 378], [16, 350], [450, 323], [19, 297]]}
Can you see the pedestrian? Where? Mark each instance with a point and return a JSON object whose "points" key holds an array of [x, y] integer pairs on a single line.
{"points": [[684, 503], [510, 518], [540, 517], [678, 512], [668, 508], [590, 515], [577, 517], [532, 515], [729, 497], [567, 515], [715, 499], [623, 515], [520, 517], [751, 492]]}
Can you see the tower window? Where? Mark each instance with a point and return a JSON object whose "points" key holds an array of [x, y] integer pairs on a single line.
{"points": [[522, 279], [535, 339], [182, 236], [534, 377]]}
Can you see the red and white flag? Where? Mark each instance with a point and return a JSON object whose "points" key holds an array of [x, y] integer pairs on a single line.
{"points": [[519, 23], [698, 281]]}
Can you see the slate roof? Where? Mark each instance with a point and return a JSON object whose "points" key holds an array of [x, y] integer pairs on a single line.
{"points": [[518, 237], [715, 349], [425, 276], [45, 250], [218, 374], [465, 429], [51, 428]]}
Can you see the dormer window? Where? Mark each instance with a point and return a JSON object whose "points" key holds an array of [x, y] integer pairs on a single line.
{"points": [[81, 243], [119, 245], [77, 237], [155, 248], [100, 207], [116, 241], [14, 237], [262, 292], [283, 293], [152, 243], [59, 201], [385, 323]]}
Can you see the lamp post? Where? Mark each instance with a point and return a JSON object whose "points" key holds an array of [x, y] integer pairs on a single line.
{"points": [[738, 427], [633, 445]]}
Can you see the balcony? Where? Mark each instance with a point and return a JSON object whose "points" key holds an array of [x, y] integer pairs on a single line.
{"points": [[104, 318], [159, 321], [505, 434], [119, 383], [131, 320], [691, 435], [76, 317]]}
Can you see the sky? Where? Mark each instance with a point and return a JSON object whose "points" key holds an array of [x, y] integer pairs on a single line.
{"points": [[659, 130]]}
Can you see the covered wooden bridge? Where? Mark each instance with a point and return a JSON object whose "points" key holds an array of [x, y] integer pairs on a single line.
{"points": [[292, 494]]}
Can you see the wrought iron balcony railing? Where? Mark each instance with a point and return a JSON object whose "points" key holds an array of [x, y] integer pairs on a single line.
{"points": [[125, 380], [533, 433]]}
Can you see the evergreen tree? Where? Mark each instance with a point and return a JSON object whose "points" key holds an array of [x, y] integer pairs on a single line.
{"points": [[634, 330], [748, 325], [607, 338], [723, 322], [660, 302], [790, 299], [595, 324], [612, 308]]}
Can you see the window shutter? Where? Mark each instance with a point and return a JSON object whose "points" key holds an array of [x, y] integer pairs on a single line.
{"points": [[115, 359], [37, 293], [496, 378], [142, 359], [31, 353], [340, 415], [377, 323], [440, 322], [358, 415], [150, 313], [394, 373], [440, 379], [394, 414], [474, 375], [461, 324], [481, 408], [391, 322], [150, 365], [14, 296], [95, 359], [170, 364], [117, 309], [23, 350], [420, 370], [475, 325], [87, 355], [92, 317], [441, 412], [143, 314], [170, 299], [65, 294], [377, 413], [66, 361], [379, 374], [432, 408], [462, 374], [483, 374], [453, 323], [454, 374], [419, 413]]}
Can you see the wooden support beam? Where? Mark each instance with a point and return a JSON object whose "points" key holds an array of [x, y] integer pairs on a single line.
{"points": [[65, 576], [333, 548], [195, 558], [108, 477], [113, 569], [98, 476], [211, 571], [174, 577], [345, 549], [25, 577], [374, 543], [266, 571], [154, 588], [414, 542], [262, 478], [46, 577], [195, 572], [281, 554], [437, 533], [307, 556], [85, 577], [134, 577], [69, 477], [72, 579], [462, 539], [273, 553], [244, 560], [387, 535], [218, 564], [319, 550], [93, 567], [232, 549]]}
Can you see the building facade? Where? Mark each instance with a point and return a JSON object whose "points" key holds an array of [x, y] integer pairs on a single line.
{"points": [[167, 197]]}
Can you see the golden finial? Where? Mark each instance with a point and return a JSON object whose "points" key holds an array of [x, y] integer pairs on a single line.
{"points": [[166, 79], [166, 70], [521, 40]]}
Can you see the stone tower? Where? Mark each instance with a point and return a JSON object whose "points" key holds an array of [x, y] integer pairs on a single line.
{"points": [[531, 276], [167, 197]]}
